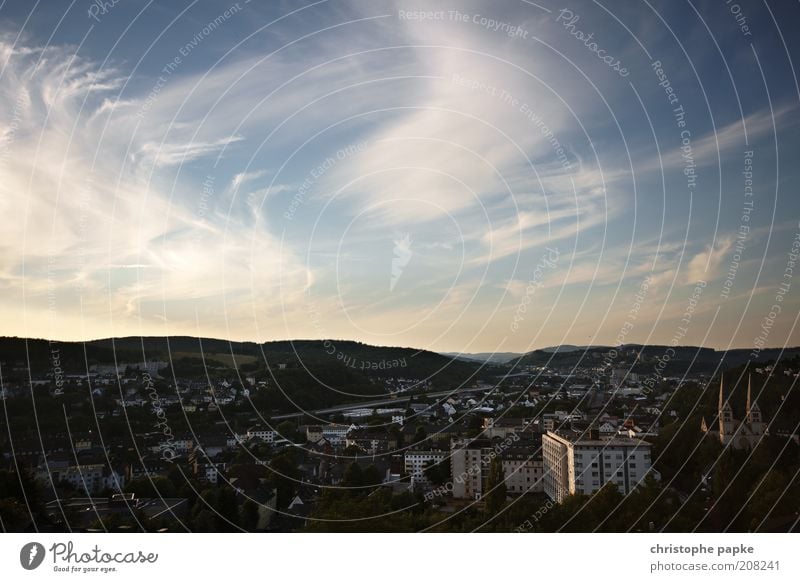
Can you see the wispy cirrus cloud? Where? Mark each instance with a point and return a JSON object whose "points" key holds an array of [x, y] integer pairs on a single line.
{"points": [[81, 226]]}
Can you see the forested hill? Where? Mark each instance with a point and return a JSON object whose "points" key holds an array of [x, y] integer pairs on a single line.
{"points": [[191, 355], [643, 358]]}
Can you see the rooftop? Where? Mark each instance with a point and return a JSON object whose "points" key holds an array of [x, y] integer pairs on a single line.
{"points": [[582, 439]]}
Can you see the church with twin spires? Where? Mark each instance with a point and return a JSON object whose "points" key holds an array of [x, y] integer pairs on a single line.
{"points": [[739, 434]]}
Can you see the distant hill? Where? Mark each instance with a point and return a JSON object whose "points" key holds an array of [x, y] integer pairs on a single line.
{"points": [[197, 354], [566, 348], [491, 357], [642, 359], [352, 362]]}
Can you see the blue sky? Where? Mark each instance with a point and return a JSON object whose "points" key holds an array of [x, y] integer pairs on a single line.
{"points": [[475, 178]]}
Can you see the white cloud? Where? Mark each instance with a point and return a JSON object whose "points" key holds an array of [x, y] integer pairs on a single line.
{"points": [[81, 228]]}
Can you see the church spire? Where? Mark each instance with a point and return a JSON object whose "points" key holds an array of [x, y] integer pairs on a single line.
{"points": [[753, 411], [749, 399], [726, 425], [724, 405]]}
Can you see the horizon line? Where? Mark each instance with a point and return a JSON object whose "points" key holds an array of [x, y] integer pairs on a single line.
{"points": [[459, 352]]}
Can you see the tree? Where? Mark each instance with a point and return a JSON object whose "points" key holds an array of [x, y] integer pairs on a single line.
{"points": [[496, 487], [21, 499], [397, 434], [475, 425], [645, 504], [420, 435], [352, 451], [353, 477], [287, 430], [176, 476], [438, 473], [217, 511], [599, 511], [248, 516], [14, 515], [774, 496], [371, 476], [228, 509], [284, 476], [151, 487], [205, 522]]}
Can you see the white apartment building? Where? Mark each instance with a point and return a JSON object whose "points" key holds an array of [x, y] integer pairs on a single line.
{"points": [[211, 472], [466, 469], [416, 462], [470, 463], [524, 471], [90, 478], [552, 420], [576, 465], [336, 434], [261, 433]]}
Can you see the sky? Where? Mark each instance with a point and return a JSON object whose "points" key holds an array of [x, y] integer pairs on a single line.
{"points": [[455, 176]]}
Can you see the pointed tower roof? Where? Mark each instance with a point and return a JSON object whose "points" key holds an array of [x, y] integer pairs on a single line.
{"points": [[749, 400], [722, 403], [750, 404]]}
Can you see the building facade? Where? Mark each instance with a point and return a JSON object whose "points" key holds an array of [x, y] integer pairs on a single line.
{"points": [[574, 464], [470, 462], [523, 468], [466, 467], [739, 434], [417, 461]]}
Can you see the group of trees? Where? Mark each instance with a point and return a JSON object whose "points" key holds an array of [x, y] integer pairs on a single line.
{"points": [[360, 504], [21, 502]]}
